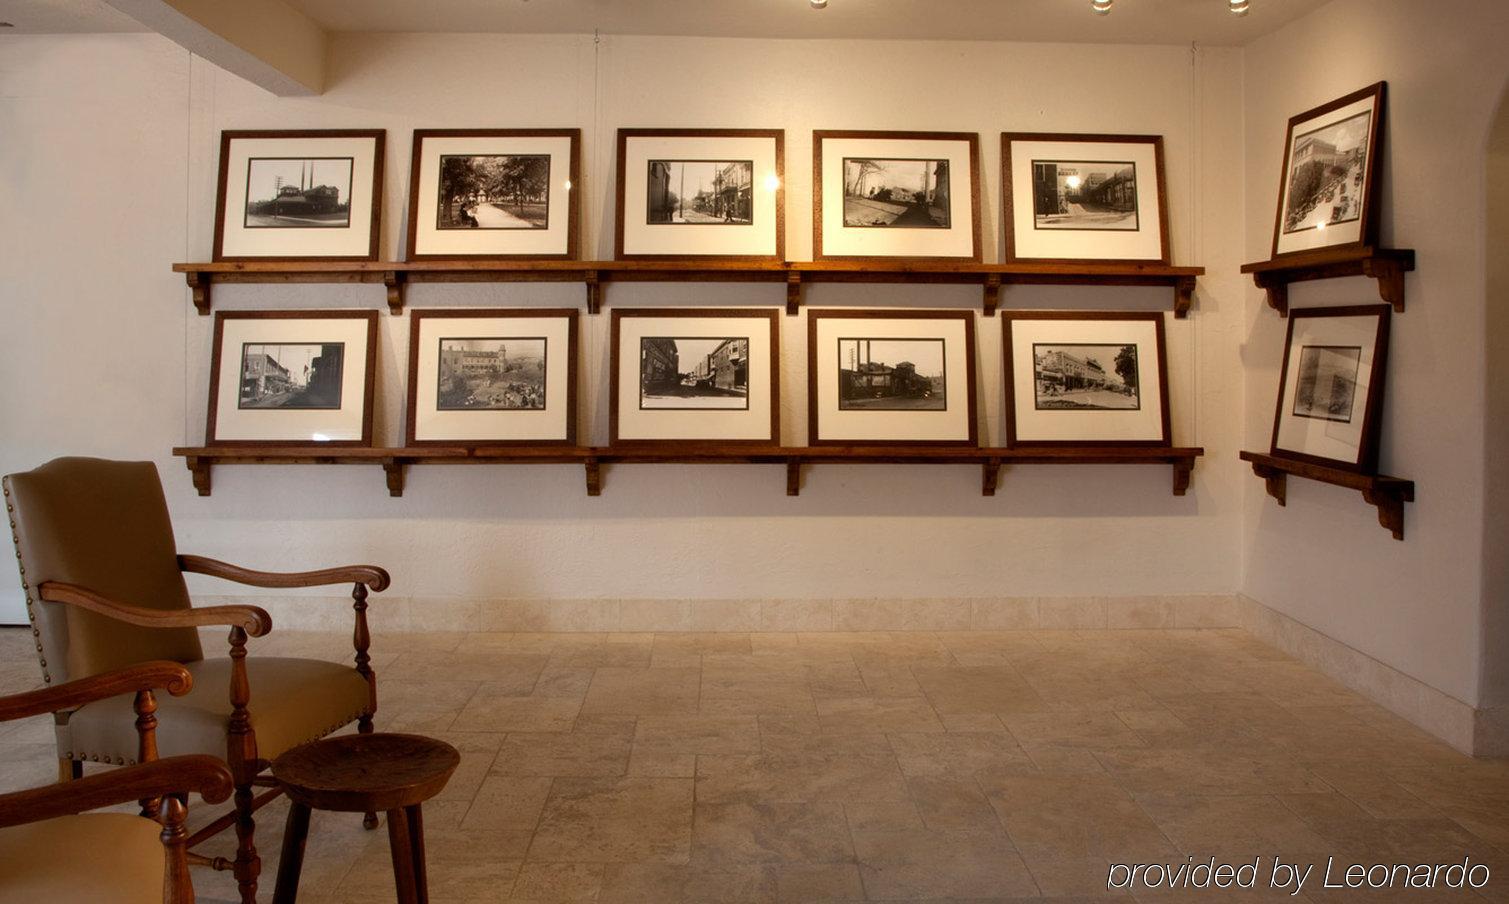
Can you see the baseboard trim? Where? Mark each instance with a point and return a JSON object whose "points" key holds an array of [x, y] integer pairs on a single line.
{"points": [[400, 614], [1472, 731]]}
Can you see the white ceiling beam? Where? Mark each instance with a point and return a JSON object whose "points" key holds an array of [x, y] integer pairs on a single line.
{"points": [[266, 42]]}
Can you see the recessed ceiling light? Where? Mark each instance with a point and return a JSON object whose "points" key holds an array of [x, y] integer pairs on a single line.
{"points": [[818, 4], [1101, 7], [1239, 7]]}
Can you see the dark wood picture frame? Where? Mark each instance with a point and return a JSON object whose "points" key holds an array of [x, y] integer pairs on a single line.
{"points": [[1009, 193], [573, 331], [771, 315], [971, 138], [369, 381], [574, 174], [379, 142], [1367, 452], [620, 201], [1372, 184], [816, 315], [1009, 318]]}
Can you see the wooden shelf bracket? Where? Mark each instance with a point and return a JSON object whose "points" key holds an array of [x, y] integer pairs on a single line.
{"points": [[793, 477], [793, 292], [992, 294], [393, 470], [1389, 271], [1184, 296], [199, 285], [199, 469], [1389, 499], [594, 471], [594, 291], [990, 474], [1387, 494], [1385, 265], [394, 281]]}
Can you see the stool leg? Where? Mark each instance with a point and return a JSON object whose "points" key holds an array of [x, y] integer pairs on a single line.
{"points": [[416, 845], [403, 857], [291, 862]]}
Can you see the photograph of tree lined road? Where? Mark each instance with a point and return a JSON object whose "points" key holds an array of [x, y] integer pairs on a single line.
{"points": [[494, 191], [896, 193]]}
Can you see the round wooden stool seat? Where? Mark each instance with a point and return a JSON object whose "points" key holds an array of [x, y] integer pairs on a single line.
{"points": [[364, 773]]}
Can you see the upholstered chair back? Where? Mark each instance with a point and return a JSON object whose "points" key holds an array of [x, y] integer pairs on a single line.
{"points": [[102, 525]]}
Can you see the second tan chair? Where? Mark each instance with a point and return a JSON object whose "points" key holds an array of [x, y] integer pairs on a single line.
{"points": [[104, 589]]}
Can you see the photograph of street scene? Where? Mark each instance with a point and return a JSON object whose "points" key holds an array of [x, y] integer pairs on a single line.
{"points": [[891, 375], [690, 374], [298, 193], [1093, 377], [1325, 175], [898, 193], [493, 191], [1085, 195], [700, 193], [1327, 382], [491, 375], [291, 375]]}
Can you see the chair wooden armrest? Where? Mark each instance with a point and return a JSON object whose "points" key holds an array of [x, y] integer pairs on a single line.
{"points": [[374, 577], [172, 775], [252, 619], [144, 676]]}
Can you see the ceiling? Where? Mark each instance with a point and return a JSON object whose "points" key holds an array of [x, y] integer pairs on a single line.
{"points": [[1131, 21]]}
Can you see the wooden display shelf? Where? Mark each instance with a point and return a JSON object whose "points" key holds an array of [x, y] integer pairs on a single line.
{"points": [[1388, 494], [1387, 265], [202, 459], [396, 275]]}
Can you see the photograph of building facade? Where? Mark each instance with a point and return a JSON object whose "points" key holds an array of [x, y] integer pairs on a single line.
{"points": [[914, 382], [901, 193], [705, 192], [1327, 382], [1084, 195], [1085, 376], [286, 193], [292, 375], [1325, 175], [491, 374], [693, 373]]}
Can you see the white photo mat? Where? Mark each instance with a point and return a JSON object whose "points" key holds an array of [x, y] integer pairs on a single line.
{"points": [[758, 238], [1344, 233], [353, 240], [1029, 242], [957, 240], [550, 423], [233, 423], [1145, 424], [429, 239], [752, 423], [949, 425], [1340, 440]]}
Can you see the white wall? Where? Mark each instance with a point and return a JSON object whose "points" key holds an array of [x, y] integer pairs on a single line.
{"points": [[110, 150], [1323, 560]]}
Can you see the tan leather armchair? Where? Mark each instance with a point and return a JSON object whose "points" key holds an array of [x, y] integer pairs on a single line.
{"points": [[104, 588], [52, 850]]}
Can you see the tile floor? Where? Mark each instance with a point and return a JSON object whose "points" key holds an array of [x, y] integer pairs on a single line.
{"points": [[873, 767]]}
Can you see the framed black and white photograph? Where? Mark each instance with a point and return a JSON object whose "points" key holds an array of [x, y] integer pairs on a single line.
{"points": [[492, 377], [1072, 197], [701, 194], [892, 377], [1085, 378], [292, 378], [299, 195], [696, 375], [896, 195], [494, 194], [1328, 195], [1331, 390]]}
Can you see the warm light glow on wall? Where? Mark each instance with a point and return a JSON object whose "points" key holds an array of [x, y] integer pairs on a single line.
{"points": [[1239, 7], [1101, 7], [772, 182]]}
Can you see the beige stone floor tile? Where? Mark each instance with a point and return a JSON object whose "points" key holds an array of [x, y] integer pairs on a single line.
{"points": [[865, 715], [1233, 828], [1072, 876], [563, 753], [798, 778], [707, 643], [616, 820], [762, 832], [1091, 729], [507, 803], [1075, 816], [755, 690], [805, 735], [977, 689], [831, 883], [921, 864], [952, 805], [956, 754], [646, 691], [564, 682], [515, 671], [697, 733], [663, 765], [558, 883], [487, 712], [603, 655], [1206, 771], [658, 883]]}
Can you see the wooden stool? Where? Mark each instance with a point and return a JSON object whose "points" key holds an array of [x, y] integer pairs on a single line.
{"points": [[363, 774]]}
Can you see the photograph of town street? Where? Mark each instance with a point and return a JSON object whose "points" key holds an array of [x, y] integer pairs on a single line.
{"points": [[891, 375], [298, 193], [1092, 377], [689, 374], [1325, 175], [493, 191], [291, 375], [1084, 195], [700, 193], [896, 193], [1327, 382], [491, 375]]}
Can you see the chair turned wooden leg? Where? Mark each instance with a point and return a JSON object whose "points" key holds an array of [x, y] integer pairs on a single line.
{"points": [[247, 866], [68, 770], [416, 848], [401, 848], [364, 726], [291, 863]]}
